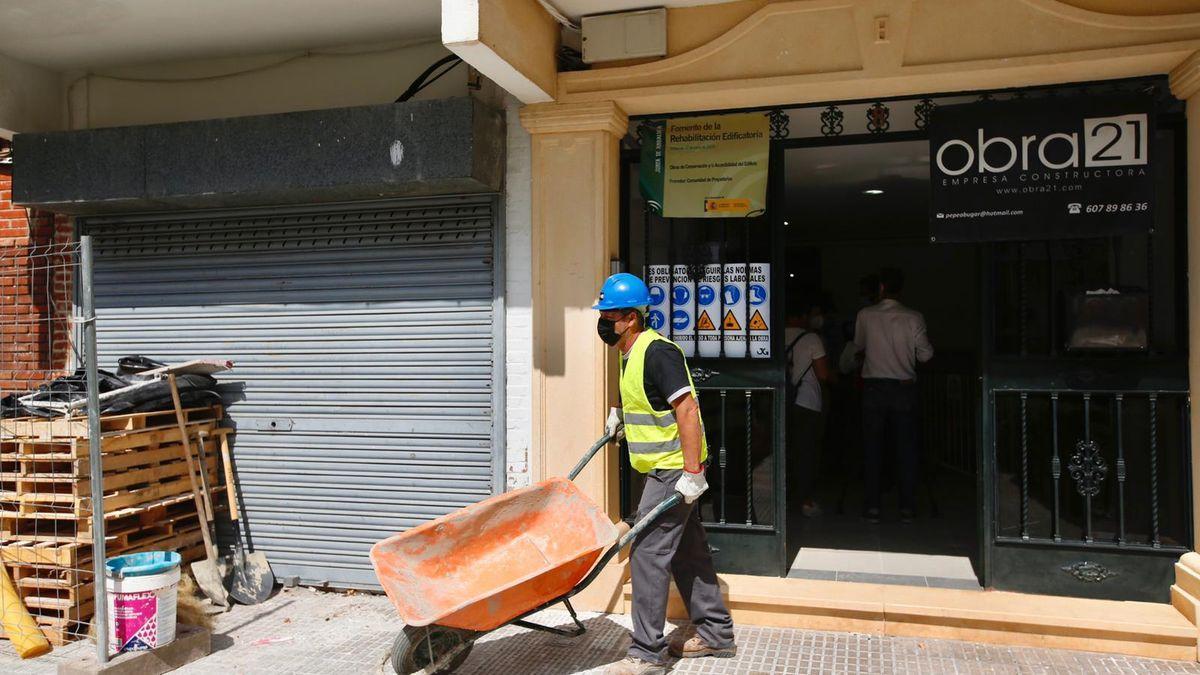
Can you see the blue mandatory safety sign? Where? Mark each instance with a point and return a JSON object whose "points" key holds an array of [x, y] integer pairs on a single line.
{"points": [[732, 294], [757, 294], [657, 295], [705, 295], [680, 320], [681, 295], [655, 319]]}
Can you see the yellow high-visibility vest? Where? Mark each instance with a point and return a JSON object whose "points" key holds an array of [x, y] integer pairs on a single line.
{"points": [[652, 435]]}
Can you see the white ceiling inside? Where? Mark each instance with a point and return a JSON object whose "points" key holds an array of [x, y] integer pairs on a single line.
{"points": [[85, 34]]}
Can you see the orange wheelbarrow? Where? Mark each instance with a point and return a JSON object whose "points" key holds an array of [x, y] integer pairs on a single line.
{"points": [[495, 563]]}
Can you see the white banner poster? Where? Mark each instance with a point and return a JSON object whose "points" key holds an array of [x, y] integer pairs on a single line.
{"points": [[758, 295], [683, 311], [708, 312], [657, 280], [733, 310]]}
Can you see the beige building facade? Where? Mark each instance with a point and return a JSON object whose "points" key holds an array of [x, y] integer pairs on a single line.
{"points": [[755, 55], [568, 193]]}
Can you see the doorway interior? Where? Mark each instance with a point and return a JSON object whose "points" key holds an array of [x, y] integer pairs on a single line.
{"points": [[852, 208]]}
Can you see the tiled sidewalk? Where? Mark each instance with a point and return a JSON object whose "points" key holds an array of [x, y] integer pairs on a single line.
{"points": [[305, 631]]}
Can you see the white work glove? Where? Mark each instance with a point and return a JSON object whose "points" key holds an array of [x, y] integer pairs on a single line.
{"points": [[691, 485], [614, 426]]}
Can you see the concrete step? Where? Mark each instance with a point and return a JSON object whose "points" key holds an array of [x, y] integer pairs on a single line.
{"points": [[995, 617]]}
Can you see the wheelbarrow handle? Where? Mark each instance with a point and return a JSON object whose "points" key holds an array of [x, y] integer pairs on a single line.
{"points": [[638, 527], [587, 457], [648, 520]]}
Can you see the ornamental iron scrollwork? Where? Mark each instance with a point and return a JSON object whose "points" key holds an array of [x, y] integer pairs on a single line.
{"points": [[694, 267], [1088, 468], [694, 271], [702, 374], [877, 118], [779, 121], [924, 111], [831, 121], [1088, 572]]}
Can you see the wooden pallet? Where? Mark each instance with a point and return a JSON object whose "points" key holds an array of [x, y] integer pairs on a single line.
{"points": [[67, 428], [38, 494], [45, 503], [78, 556], [62, 600], [65, 530], [71, 455]]}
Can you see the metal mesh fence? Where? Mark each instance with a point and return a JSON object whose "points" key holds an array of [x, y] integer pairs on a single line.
{"points": [[86, 471], [46, 510]]}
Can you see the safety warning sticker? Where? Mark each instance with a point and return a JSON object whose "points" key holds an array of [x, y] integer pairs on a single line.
{"points": [[758, 295], [733, 310], [731, 322], [708, 306], [657, 279], [683, 310]]}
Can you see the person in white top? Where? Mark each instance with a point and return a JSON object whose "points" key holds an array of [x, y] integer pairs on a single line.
{"points": [[808, 368], [891, 339]]}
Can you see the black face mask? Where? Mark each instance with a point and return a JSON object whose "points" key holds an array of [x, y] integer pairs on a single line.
{"points": [[607, 330]]}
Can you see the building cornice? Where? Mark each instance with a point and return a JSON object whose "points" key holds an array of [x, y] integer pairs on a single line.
{"points": [[556, 118], [1185, 78]]}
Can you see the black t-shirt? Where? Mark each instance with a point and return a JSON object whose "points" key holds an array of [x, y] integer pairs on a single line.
{"points": [[665, 374]]}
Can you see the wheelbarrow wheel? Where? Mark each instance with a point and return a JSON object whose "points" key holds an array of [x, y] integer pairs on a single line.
{"points": [[424, 650]]}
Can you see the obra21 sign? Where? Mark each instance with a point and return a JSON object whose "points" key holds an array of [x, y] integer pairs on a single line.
{"points": [[1041, 168], [706, 167]]}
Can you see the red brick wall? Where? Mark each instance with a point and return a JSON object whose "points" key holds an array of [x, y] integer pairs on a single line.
{"points": [[35, 294]]}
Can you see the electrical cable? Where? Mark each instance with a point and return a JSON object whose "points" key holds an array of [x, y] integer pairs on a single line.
{"points": [[254, 69], [424, 80]]}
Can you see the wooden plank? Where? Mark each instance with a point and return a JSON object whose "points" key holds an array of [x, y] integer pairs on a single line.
{"points": [[33, 553], [117, 450], [42, 429], [7, 513]]}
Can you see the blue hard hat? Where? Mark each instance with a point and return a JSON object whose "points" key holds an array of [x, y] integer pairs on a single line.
{"points": [[623, 291]]}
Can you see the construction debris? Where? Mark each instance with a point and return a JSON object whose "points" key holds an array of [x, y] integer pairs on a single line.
{"points": [[45, 503], [149, 502], [139, 385]]}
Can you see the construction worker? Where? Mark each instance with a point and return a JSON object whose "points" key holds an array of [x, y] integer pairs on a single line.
{"points": [[661, 421]]}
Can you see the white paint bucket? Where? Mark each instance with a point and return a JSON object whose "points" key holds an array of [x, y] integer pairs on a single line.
{"points": [[142, 589]]}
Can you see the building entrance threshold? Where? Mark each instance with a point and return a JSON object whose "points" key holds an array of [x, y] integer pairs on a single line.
{"points": [[885, 567], [1147, 629]]}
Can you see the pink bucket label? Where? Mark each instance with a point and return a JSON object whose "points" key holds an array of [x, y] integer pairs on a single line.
{"points": [[135, 620]]}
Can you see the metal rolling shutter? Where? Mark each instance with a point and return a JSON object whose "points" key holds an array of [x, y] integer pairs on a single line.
{"points": [[363, 333]]}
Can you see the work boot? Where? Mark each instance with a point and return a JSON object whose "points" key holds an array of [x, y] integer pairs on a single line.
{"points": [[696, 647], [632, 665]]}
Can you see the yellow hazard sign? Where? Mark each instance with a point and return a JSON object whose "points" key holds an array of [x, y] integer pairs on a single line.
{"points": [[704, 322], [731, 322], [756, 321]]}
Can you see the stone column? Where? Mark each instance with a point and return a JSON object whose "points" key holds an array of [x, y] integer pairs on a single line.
{"points": [[575, 153], [1185, 84]]}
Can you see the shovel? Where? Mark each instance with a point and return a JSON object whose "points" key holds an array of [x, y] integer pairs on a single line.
{"points": [[209, 576], [253, 579]]}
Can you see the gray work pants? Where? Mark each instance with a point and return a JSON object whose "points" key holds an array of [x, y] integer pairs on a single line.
{"points": [[674, 546]]}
